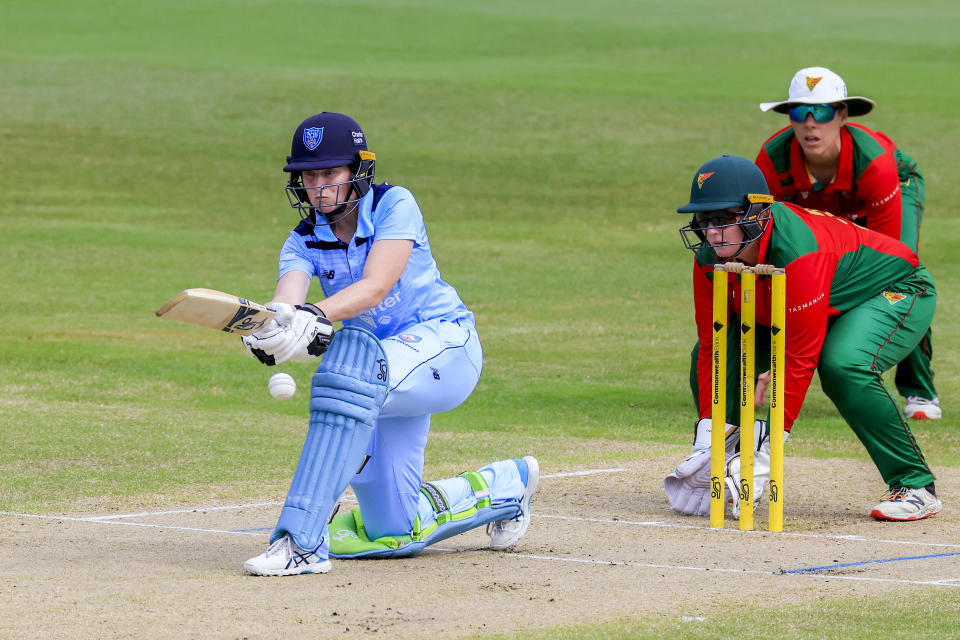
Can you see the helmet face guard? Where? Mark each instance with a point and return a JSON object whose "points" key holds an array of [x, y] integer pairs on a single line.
{"points": [[352, 190], [726, 191], [752, 223]]}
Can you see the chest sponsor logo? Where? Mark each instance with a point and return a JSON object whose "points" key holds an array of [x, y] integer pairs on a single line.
{"points": [[893, 297], [389, 302], [703, 178], [812, 82], [807, 304], [312, 137], [406, 337]]}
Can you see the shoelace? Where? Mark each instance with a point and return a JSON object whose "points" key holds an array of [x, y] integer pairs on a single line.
{"points": [[499, 525], [277, 547], [894, 494]]}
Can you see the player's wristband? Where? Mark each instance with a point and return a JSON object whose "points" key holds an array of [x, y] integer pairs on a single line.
{"points": [[312, 308]]}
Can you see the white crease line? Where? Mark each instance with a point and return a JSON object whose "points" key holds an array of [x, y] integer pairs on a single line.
{"points": [[819, 536], [581, 473], [143, 514], [130, 524], [948, 582], [925, 583], [350, 499], [944, 582], [644, 565]]}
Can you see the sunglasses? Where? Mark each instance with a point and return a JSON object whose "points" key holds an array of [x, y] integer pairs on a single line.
{"points": [[821, 112], [704, 219]]}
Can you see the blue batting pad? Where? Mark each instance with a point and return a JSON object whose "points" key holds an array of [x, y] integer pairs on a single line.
{"points": [[348, 389]]}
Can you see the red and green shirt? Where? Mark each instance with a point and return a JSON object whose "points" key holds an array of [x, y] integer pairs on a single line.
{"points": [[866, 188], [832, 265]]}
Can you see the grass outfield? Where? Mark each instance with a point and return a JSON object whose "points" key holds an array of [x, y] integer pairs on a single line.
{"points": [[548, 144]]}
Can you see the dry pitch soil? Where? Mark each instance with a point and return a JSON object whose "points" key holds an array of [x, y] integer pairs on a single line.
{"points": [[600, 547]]}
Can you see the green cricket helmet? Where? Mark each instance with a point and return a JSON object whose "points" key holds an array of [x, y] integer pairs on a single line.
{"points": [[726, 191]]}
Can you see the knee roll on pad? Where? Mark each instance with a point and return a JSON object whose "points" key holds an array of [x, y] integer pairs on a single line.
{"points": [[347, 392]]}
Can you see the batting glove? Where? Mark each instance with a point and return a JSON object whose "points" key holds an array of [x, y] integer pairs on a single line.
{"points": [[296, 333]]}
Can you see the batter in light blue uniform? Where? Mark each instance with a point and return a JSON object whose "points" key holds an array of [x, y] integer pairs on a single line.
{"points": [[408, 349]]}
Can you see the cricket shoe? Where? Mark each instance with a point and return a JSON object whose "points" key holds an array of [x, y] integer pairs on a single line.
{"points": [[285, 558], [505, 533], [904, 503], [922, 409]]}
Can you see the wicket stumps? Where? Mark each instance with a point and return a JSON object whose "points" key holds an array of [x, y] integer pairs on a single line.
{"points": [[747, 371]]}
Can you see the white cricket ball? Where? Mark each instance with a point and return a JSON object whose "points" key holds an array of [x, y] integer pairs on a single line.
{"points": [[282, 386]]}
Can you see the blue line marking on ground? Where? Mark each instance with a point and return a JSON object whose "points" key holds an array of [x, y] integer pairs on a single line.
{"points": [[249, 530], [882, 560]]}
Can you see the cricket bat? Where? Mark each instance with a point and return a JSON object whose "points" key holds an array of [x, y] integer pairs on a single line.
{"points": [[217, 310]]}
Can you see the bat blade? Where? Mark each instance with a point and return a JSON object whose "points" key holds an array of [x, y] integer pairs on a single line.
{"points": [[217, 310]]}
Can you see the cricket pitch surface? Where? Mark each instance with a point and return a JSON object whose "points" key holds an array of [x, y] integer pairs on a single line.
{"points": [[602, 545]]}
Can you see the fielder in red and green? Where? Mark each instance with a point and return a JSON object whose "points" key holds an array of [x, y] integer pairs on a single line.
{"points": [[857, 303], [823, 161]]}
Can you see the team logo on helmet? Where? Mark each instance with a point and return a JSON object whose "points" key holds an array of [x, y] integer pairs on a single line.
{"points": [[812, 82], [703, 178], [893, 298], [312, 137]]}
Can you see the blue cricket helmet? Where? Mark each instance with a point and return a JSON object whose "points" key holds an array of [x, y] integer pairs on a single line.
{"points": [[323, 141], [326, 140]]}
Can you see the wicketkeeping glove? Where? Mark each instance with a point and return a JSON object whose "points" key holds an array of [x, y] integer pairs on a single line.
{"points": [[688, 487], [761, 467], [296, 333]]}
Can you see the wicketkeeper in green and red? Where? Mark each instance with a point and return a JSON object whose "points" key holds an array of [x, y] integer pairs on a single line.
{"points": [[857, 303], [823, 161]]}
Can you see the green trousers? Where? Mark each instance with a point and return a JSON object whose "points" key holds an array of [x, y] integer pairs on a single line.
{"points": [[914, 376], [859, 346]]}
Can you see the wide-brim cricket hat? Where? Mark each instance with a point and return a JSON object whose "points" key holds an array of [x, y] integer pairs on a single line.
{"points": [[819, 85], [325, 140], [723, 183]]}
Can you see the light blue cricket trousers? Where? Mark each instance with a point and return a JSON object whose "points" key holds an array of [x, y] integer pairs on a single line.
{"points": [[434, 366]]}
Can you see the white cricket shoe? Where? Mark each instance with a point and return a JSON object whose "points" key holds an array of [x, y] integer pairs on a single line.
{"points": [[903, 503], [922, 409], [285, 558], [505, 533]]}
